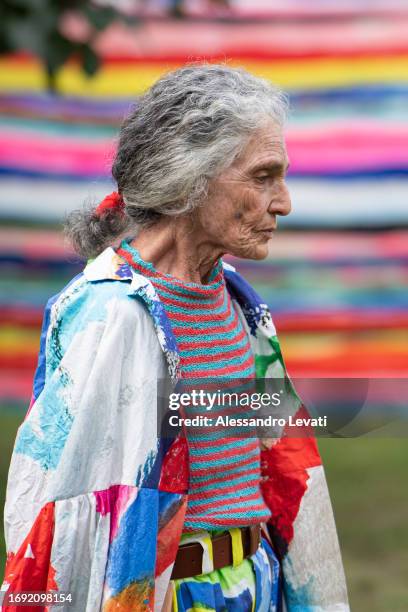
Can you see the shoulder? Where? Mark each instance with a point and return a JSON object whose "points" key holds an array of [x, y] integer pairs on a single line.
{"points": [[104, 285], [86, 311], [255, 309], [240, 288], [83, 301]]}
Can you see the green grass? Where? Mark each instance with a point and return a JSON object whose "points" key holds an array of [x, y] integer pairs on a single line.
{"points": [[367, 481], [9, 421]]}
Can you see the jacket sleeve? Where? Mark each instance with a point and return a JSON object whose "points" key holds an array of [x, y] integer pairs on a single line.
{"points": [[85, 513], [302, 526]]}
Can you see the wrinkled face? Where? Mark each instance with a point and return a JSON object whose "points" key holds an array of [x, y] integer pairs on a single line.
{"points": [[243, 202]]}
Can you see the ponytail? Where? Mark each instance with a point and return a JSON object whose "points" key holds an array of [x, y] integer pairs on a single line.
{"points": [[91, 229]]}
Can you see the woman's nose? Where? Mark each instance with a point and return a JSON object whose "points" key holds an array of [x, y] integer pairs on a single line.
{"points": [[281, 205]]}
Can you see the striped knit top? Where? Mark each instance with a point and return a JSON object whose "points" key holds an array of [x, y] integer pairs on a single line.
{"points": [[224, 480]]}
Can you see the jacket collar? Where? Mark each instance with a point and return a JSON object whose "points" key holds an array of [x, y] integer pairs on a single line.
{"points": [[110, 266]]}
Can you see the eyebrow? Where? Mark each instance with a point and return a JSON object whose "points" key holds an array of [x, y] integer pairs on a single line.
{"points": [[271, 165]]}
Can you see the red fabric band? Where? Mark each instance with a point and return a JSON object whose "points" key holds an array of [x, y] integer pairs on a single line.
{"points": [[113, 201]]}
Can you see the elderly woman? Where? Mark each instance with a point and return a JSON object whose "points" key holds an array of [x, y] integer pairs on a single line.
{"points": [[101, 512]]}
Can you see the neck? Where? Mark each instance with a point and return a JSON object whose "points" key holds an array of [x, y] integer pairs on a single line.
{"points": [[177, 247]]}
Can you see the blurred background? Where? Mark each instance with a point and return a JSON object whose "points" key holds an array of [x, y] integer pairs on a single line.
{"points": [[337, 277]]}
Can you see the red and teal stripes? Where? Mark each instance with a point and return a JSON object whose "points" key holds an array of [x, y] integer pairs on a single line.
{"points": [[224, 471]]}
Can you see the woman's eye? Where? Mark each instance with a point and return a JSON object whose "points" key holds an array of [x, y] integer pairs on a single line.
{"points": [[262, 178]]}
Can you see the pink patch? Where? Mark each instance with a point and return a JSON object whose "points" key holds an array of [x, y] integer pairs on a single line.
{"points": [[32, 400], [115, 501]]}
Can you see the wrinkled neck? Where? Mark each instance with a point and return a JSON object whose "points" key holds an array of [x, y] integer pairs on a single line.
{"points": [[178, 248]]}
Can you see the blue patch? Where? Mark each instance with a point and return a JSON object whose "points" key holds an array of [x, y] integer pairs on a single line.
{"points": [[151, 473], [250, 302], [168, 506], [200, 594], [76, 308], [164, 331], [132, 553], [298, 599], [239, 603], [146, 474], [268, 579], [75, 311], [124, 271], [39, 377], [55, 422], [162, 321]]}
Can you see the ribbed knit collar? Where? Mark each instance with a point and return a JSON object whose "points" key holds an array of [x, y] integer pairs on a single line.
{"points": [[208, 291]]}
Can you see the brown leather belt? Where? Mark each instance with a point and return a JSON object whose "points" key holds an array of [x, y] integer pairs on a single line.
{"points": [[190, 556]]}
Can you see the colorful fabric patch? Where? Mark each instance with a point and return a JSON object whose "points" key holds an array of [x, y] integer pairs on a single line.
{"points": [[250, 586]]}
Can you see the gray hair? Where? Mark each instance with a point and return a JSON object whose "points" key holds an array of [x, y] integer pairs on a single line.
{"points": [[183, 132]]}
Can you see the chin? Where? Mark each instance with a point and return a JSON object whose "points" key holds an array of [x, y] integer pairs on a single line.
{"points": [[260, 251]]}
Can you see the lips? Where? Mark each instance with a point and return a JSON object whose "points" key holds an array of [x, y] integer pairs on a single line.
{"points": [[266, 234]]}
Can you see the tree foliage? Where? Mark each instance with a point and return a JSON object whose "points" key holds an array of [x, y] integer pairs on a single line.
{"points": [[34, 26]]}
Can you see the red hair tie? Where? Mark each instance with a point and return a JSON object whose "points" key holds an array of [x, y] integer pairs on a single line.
{"points": [[113, 201]]}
